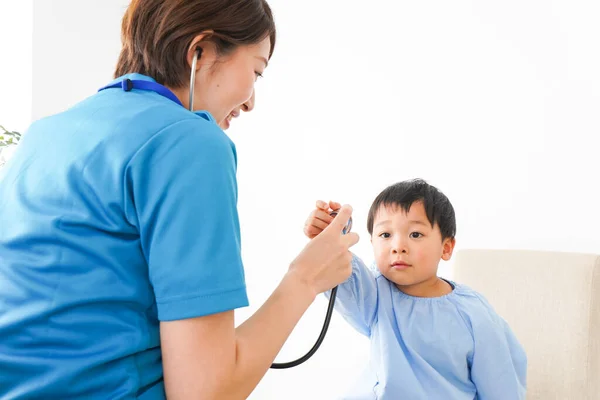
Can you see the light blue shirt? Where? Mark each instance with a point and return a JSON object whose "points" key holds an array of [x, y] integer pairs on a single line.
{"points": [[453, 347], [115, 214]]}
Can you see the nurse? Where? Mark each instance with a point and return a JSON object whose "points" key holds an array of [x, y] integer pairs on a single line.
{"points": [[120, 260]]}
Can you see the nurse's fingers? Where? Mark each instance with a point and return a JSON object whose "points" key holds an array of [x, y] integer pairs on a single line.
{"points": [[341, 219], [350, 239]]}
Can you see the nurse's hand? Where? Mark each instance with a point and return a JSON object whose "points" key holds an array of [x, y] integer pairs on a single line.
{"points": [[325, 261], [209, 358], [320, 218]]}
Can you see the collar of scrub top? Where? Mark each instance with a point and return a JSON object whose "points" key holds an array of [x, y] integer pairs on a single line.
{"points": [[134, 81]]}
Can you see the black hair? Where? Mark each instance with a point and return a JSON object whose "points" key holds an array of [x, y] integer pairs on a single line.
{"points": [[404, 194]]}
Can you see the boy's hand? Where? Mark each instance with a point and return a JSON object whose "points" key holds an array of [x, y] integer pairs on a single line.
{"points": [[320, 218]]}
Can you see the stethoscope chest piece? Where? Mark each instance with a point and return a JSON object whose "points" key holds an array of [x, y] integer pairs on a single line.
{"points": [[348, 225]]}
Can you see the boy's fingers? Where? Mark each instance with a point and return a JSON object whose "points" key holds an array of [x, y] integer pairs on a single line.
{"points": [[334, 205], [323, 216], [321, 205], [318, 224], [311, 231]]}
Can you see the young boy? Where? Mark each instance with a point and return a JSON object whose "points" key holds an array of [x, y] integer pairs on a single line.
{"points": [[431, 339]]}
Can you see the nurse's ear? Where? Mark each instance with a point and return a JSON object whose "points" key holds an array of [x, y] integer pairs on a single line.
{"points": [[205, 48]]}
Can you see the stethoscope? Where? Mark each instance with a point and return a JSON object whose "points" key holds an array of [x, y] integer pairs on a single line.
{"points": [[130, 84], [330, 306]]}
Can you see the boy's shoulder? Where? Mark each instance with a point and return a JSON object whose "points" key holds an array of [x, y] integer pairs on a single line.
{"points": [[473, 305], [469, 297]]}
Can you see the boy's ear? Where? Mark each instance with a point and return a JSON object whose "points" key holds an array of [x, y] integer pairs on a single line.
{"points": [[448, 248]]}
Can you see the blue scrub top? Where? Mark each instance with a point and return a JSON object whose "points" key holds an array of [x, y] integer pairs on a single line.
{"points": [[114, 215]]}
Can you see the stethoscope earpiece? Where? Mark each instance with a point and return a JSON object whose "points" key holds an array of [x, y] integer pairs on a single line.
{"points": [[197, 55]]}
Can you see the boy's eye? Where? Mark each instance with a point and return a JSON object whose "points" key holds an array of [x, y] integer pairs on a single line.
{"points": [[415, 235], [384, 235], [258, 74]]}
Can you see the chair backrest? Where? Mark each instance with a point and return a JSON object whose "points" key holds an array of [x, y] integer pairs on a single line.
{"points": [[552, 302]]}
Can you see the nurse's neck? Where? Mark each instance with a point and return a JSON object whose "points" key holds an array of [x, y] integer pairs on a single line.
{"points": [[183, 94]]}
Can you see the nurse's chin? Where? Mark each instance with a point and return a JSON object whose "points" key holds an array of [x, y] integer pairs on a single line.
{"points": [[225, 124]]}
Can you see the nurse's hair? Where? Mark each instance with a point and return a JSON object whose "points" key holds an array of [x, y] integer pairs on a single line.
{"points": [[156, 34], [404, 194]]}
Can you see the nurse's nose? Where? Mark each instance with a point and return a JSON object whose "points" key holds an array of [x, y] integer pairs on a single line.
{"points": [[249, 105]]}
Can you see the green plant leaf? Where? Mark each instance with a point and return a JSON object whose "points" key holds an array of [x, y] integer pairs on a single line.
{"points": [[9, 137]]}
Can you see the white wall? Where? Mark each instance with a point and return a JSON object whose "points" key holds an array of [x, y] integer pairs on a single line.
{"points": [[496, 103], [75, 48], [15, 66]]}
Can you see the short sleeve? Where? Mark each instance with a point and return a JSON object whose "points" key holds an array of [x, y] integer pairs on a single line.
{"points": [[183, 192]]}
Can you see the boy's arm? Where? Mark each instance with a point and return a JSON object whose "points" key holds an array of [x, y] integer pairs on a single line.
{"points": [[499, 362], [356, 298]]}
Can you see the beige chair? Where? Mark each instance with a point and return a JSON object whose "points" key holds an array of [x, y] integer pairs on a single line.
{"points": [[552, 302]]}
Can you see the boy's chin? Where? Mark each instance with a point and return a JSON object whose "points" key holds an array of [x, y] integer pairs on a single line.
{"points": [[399, 278], [404, 278]]}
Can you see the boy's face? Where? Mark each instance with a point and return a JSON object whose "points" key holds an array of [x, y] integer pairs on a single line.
{"points": [[407, 248]]}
